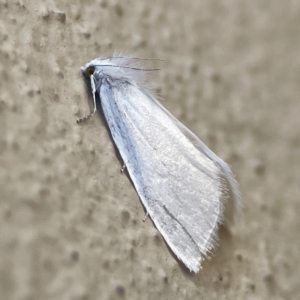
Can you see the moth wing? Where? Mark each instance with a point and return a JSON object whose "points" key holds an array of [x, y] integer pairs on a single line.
{"points": [[178, 183]]}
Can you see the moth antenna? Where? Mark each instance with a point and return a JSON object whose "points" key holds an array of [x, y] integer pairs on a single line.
{"points": [[132, 68], [138, 58]]}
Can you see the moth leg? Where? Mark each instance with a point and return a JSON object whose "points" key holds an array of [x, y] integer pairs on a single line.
{"points": [[94, 101], [123, 168], [145, 217]]}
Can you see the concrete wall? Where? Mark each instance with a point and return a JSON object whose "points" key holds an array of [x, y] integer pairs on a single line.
{"points": [[70, 224]]}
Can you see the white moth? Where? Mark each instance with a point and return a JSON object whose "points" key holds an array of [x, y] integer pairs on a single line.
{"points": [[177, 177]]}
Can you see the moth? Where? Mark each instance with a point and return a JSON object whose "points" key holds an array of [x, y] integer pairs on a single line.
{"points": [[179, 180]]}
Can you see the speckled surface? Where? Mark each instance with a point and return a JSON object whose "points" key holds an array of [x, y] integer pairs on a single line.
{"points": [[70, 224]]}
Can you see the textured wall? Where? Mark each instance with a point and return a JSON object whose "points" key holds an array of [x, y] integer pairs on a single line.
{"points": [[70, 224]]}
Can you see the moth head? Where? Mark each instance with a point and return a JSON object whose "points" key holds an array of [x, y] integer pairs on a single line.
{"points": [[89, 71]]}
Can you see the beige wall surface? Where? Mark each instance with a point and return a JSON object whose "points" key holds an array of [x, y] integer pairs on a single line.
{"points": [[70, 224]]}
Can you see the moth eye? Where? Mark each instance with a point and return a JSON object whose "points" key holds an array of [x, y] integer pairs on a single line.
{"points": [[89, 71]]}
